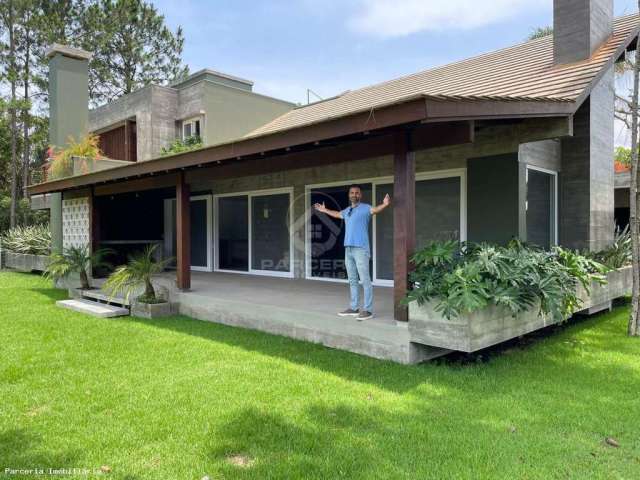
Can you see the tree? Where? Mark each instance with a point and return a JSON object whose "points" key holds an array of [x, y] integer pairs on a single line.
{"points": [[540, 32], [132, 48], [627, 111], [9, 14]]}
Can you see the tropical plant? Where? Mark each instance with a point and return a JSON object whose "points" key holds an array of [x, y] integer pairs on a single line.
{"points": [[468, 277], [76, 260], [128, 279], [180, 146], [62, 160], [32, 239], [622, 155], [618, 254]]}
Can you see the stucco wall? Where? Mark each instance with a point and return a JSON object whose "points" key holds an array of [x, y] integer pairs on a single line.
{"points": [[232, 112]]}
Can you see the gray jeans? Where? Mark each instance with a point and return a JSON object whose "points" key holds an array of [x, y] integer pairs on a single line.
{"points": [[356, 260]]}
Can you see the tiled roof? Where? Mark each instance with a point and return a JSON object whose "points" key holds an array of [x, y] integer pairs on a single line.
{"points": [[524, 72]]}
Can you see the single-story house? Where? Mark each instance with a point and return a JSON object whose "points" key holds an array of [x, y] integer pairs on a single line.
{"points": [[512, 143]]}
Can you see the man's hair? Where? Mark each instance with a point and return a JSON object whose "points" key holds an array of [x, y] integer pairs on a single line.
{"points": [[355, 185]]}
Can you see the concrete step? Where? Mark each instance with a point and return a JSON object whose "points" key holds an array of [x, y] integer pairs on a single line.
{"points": [[101, 296], [93, 308]]}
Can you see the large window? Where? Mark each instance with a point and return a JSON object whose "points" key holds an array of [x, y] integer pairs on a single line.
{"points": [[254, 233], [541, 207], [440, 215]]}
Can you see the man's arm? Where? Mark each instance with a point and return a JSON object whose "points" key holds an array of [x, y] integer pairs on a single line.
{"points": [[385, 203], [332, 213]]}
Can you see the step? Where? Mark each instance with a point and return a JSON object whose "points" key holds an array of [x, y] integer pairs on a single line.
{"points": [[93, 308], [100, 296]]}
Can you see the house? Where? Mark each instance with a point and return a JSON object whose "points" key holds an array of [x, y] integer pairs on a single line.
{"points": [[513, 143], [213, 106]]}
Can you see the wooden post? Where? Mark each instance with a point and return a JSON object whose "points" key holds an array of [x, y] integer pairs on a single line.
{"points": [[127, 139], [183, 233], [94, 226], [404, 220]]}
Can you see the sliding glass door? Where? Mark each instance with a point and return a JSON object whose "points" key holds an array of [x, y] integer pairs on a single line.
{"points": [[201, 232], [326, 234], [438, 217], [233, 233], [254, 234]]}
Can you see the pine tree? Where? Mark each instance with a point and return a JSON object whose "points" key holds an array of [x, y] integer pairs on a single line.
{"points": [[132, 48]]}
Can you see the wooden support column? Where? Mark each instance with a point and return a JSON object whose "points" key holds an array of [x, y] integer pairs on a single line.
{"points": [[404, 220], [127, 140], [94, 226], [183, 233]]}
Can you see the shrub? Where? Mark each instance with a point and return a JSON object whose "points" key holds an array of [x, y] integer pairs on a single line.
{"points": [[62, 160], [618, 254], [139, 272], [468, 277], [76, 260], [180, 146], [32, 239]]}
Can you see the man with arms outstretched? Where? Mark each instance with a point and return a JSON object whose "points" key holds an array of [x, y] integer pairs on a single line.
{"points": [[356, 249]]}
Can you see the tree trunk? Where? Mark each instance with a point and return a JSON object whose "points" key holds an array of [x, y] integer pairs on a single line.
{"points": [[26, 119], [633, 328], [84, 280], [12, 113], [149, 291]]}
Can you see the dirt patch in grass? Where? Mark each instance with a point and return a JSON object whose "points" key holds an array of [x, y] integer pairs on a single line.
{"points": [[240, 460]]}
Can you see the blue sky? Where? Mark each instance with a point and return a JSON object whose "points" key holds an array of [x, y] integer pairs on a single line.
{"points": [[330, 46]]}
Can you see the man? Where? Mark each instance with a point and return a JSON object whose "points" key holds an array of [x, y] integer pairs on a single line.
{"points": [[356, 249]]}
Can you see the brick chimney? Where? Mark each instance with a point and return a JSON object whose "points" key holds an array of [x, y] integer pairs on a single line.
{"points": [[68, 113], [586, 177], [579, 28]]}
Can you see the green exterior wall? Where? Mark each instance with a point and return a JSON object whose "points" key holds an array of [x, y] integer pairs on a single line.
{"points": [[232, 112], [68, 117]]}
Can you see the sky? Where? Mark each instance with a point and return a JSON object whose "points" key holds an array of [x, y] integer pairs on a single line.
{"points": [[330, 46]]}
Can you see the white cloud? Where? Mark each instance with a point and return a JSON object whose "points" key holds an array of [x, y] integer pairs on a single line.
{"points": [[395, 18]]}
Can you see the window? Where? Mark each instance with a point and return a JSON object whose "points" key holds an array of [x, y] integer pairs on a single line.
{"points": [[191, 128], [541, 207]]}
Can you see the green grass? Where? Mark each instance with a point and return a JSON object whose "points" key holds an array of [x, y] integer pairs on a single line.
{"points": [[177, 398]]}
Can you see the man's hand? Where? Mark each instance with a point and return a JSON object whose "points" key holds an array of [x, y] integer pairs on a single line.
{"points": [[386, 201], [320, 207]]}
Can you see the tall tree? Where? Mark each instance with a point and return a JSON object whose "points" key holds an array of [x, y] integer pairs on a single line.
{"points": [[132, 47], [9, 15], [634, 320]]}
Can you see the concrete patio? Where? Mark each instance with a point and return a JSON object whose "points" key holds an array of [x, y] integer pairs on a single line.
{"points": [[300, 309]]}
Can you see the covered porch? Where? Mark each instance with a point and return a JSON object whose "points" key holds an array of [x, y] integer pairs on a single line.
{"points": [[297, 308]]}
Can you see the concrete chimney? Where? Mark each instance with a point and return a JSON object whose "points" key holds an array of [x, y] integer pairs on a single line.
{"points": [[579, 28], [68, 113]]}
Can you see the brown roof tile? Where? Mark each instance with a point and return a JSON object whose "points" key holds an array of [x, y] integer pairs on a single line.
{"points": [[524, 72]]}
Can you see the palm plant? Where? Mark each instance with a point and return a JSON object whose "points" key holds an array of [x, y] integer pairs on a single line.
{"points": [[76, 260], [127, 279]]}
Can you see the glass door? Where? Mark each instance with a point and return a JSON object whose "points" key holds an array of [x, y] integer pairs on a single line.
{"points": [[254, 233], [270, 233], [201, 232]]}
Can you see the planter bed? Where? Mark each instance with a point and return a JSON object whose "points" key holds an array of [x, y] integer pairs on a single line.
{"points": [[24, 262], [493, 325]]}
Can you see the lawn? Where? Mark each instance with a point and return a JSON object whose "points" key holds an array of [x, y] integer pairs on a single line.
{"points": [[181, 399]]}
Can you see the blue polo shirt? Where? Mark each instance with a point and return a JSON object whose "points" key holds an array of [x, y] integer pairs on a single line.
{"points": [[357, 226]]}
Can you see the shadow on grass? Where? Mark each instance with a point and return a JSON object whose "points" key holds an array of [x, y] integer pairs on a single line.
{"points": [[23, 449], [53, 294], [401, 378]]}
